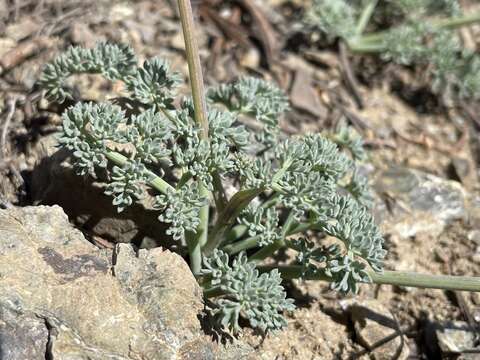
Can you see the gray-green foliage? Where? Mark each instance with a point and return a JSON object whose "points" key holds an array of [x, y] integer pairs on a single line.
{"points": [[262, 222], [115, 62], [245, 292], [308, 182], [153, 83], [180, 209], [416, 37], [335, 18], [421, 7], [126, 182], [86, 128], [256, 98]]}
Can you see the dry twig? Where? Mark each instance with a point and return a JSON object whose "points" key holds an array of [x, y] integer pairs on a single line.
{"points": [[266, 34], [350, 78], [11, 105]]}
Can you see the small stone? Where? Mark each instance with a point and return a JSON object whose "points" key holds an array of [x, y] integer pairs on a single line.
{"points": [[455, 337], [422, 202], [251, 59], [22, 29], [474, 236], [121, 11], [81, 34], [462, 168], [476, 256], [304, 96], [475, 296], [177, 41], [146, 32], [377, 330], [6, 45]]}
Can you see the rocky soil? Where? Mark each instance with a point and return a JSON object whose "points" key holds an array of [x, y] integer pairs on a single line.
{"points": [[81, 282]]}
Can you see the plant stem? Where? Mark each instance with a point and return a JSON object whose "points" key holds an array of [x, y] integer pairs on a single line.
{"points": [[245, 244], [398, 278], [237, 203], [194, 251], [212, 292], [219, 194], [156, 182], [373, 42], [252, 242], [235, 233], [267, 251], [363, 46], [365, 16], [194, 66], [200, 109], [401, 278], [455, 22]]}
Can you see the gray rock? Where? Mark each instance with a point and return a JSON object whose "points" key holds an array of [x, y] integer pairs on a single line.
{"points": [[455, 337], [420, 201], [22, 335], [62, 298], [376, 329]]}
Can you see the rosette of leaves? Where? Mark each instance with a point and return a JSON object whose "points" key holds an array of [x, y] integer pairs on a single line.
{"points": [[278, 186]]}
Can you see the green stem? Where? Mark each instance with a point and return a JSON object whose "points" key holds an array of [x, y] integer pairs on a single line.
{"points": [[397, 278], [372, 38], [453, 23], [240, 230], [411, 279], [235, 233], [245, 244], [362, 46], [156, 182], [168, 115], [212, 292], [237, 203], [272, 201], [267, 251], [373, 42], [219, 194], [200, 109], [252, 242], [365, 17], [194, 251]]}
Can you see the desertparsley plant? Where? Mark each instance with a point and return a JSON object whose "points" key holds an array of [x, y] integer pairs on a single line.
{"points": [[231, 187], [408, 32]]}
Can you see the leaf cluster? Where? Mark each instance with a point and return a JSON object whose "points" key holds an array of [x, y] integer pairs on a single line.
{"points": [[305, 184], [245, 292]]}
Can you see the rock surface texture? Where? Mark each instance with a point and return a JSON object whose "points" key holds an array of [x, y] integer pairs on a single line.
{"points": [[377, 330], [421, 202], [62, 298]]}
